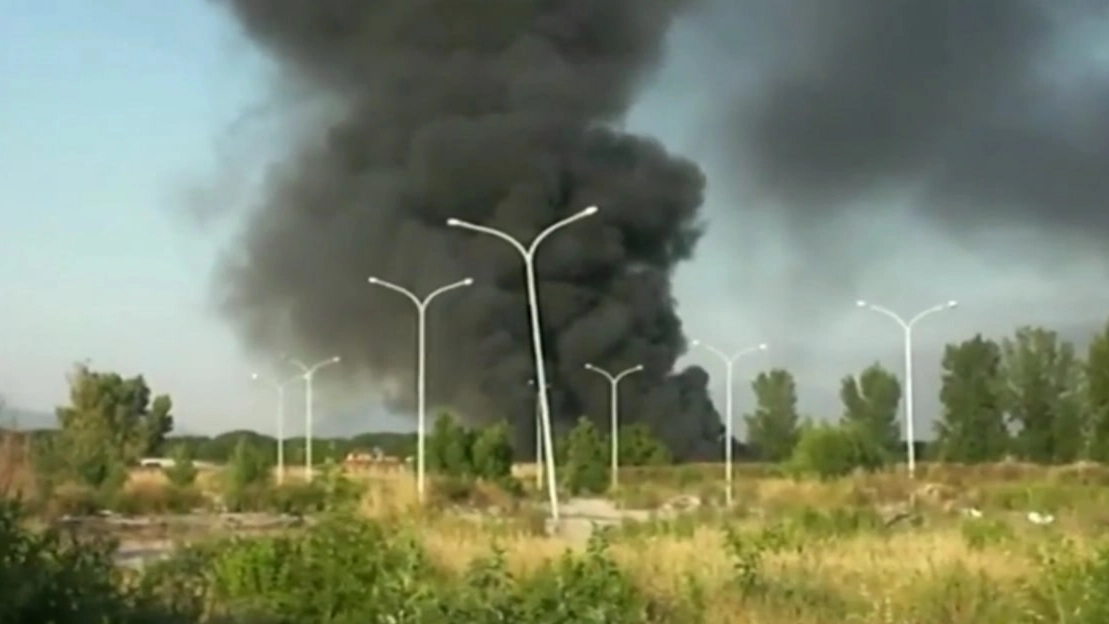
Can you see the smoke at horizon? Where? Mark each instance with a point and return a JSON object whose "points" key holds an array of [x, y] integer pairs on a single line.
{"points": [[499, 112], [960, 122]]}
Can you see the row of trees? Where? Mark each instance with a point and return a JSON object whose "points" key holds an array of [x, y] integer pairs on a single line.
{"points": [[1031, 396], [583, 456]]}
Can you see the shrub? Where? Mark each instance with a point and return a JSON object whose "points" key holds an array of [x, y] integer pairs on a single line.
{"points": [[51, 576], [449, 448], [247, 479], [587, 460], [639, 447], [828, 451], [492, 453], [182, 472]]}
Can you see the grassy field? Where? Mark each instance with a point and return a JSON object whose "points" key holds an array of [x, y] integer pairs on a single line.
{"points": [[872, 548]]}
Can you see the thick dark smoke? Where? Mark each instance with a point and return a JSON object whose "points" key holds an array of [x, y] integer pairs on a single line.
{"points": [[984, 113], [504, 113]]}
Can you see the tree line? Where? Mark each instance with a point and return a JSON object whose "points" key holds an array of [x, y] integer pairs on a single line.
{"points": [[1030, 396]]}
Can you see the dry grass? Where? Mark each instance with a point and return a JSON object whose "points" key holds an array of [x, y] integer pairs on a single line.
{"points": [[17, 478], [935, 572], [932, 573]]}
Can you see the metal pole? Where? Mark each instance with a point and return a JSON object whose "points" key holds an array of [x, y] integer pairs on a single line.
{"points": [[421, 368], [528, 255], [280, 434], [907, 408], [614, 407], [309, 373], [614, 413], [421, 399], [910, 433], [729, 366], [538, 445], [308, 425]]}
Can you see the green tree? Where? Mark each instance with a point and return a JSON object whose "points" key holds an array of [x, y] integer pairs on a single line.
{"points": [[110, 423], [773, 428], [449, 447], [248, 467], [638, 446], [828, 450], [1096, 399], [972, 427], [492, 453], [1040, 381], [870, 402], [182, 472], [587, 460]]}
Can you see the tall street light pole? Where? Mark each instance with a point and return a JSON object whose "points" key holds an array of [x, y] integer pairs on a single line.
{"points": [[421, 366], [538, 439], [907, 326], [528, 255], [308, 374], [279, 386], [729, 361], [614, 409]]}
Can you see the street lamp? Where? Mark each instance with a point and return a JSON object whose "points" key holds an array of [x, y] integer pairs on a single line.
{"points": [[528, 255], [539, 472], [309, 372], [280, 387], [907, 326], [421, 366], [614, 408], [729, 366]]}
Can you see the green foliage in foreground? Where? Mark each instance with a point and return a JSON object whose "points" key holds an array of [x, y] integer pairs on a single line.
{"points": [[349, 570]]}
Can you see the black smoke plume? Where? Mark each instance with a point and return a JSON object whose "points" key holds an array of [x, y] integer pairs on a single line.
{"points": [[505, 113], [984, 114]]}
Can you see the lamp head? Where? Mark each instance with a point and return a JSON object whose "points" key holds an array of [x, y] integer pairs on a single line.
{"points": [[592, 210], [860, 303], [638, 367], [695, 342], [254, 376], [763, 347], [336, 359], [469, 281], [589, 366], [454, 222], [952, 303], [373, 280]]}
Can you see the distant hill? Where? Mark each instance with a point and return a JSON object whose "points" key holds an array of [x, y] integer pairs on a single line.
{"points": [[17, 418]]}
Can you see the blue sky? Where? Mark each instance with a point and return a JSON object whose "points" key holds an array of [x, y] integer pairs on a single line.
{"points": [[107, 108]]}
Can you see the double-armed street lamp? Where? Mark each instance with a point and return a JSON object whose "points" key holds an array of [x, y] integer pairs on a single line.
{"points": [[729, 361], [528, 256], [907, 327], [421, 365], [614, 408], [308, 373], [279, 386]]}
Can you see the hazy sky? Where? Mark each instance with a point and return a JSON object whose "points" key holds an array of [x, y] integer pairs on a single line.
{"points": [[109, 109]]}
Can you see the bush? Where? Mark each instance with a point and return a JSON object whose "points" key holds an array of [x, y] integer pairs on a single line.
{"points": [[53, 577], [828, 451], [247, 479], [587, 460], [182, 472], [492, 453], [155, 498], [639, 447], [450, 447]]}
